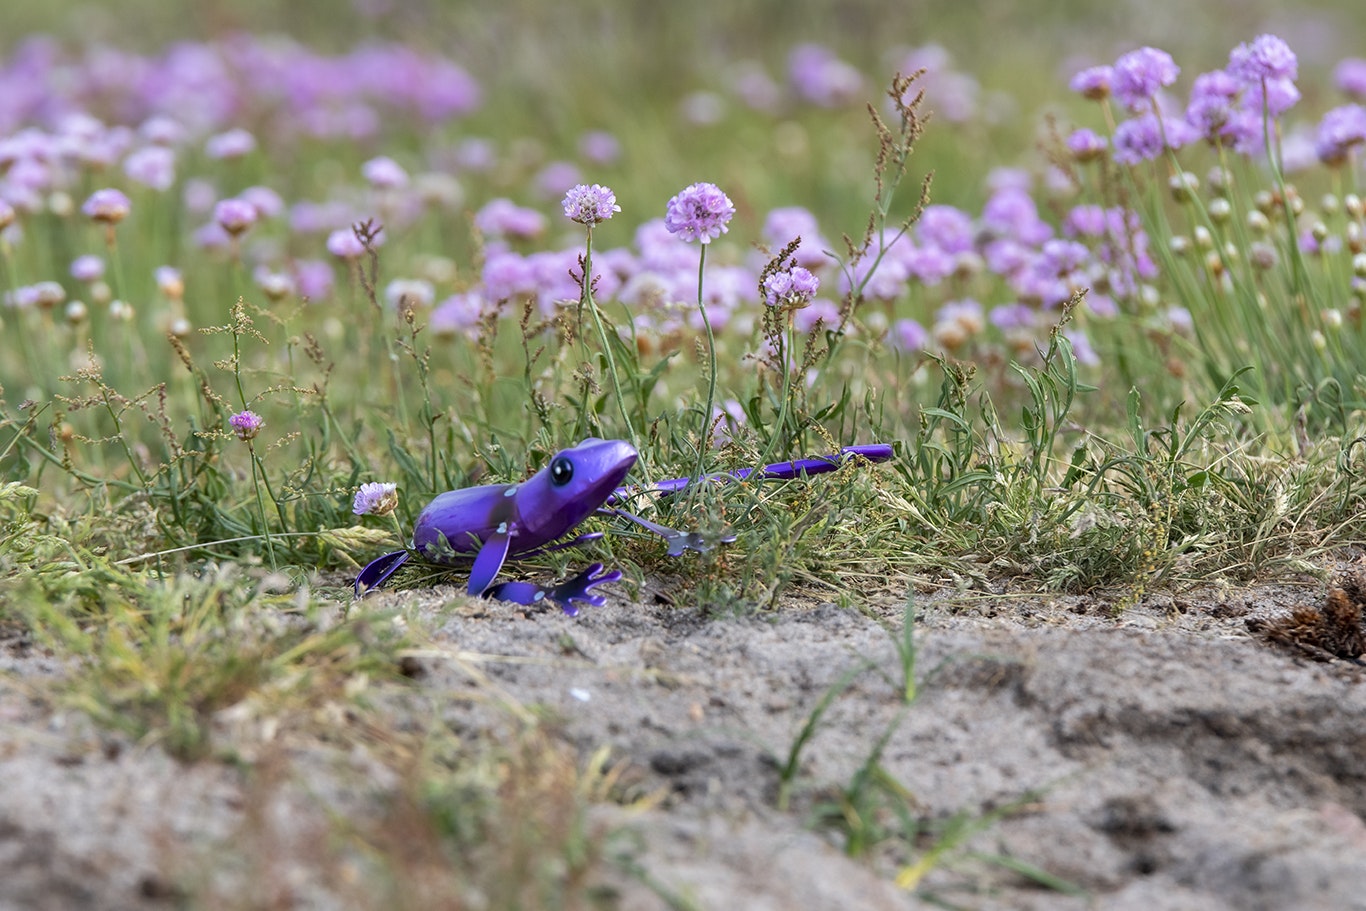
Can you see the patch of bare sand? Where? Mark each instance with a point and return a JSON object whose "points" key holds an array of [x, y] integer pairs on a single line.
{"points": [[1178, 762]]}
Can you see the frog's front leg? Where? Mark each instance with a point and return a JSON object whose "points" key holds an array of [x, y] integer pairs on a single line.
{"points": [[567, 594]]}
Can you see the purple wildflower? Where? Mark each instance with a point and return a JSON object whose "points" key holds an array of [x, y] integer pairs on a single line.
{"points": [[264, 200], [313, 279], [88, 268], [818, 76], [1350, 77], [556, 179], [235, 143], [504, 218], [507, 276], [375, 498], [821, 312], [1341, 129], [794, 288], [590, 205], [1278, 96], [1086, 145], [459, 313], [1012, 317], [152, 166], [908, 335], [1081, 348], [600, 147], [945, 227], [1011, 212], [344, 244], [1144, 138], [1265, 58], [1093, 82], [700, 212], [107, 206], [234, 216], [383, 173], [162, 131], [1213, 105], [786, 224], [1139, 74], [246, 424]]}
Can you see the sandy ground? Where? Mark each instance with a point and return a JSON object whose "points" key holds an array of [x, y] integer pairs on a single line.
{"points": [[1165, 759]]}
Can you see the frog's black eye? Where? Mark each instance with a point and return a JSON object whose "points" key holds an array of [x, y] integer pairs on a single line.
{"points": [[561, 471]]}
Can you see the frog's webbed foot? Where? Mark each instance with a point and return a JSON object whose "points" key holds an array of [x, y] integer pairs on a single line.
{"points": [[567, 594]]}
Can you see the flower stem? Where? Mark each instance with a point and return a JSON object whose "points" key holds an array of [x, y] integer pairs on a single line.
{"points": [[586, 300], [260, 504], [711, 362]]}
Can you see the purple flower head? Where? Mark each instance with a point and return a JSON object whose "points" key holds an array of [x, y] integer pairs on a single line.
{"points": [[755, 87], [212, 236], [1062, 257], [246, 425], [235, 143], [87, 268], [818, 76], [508, 276], [1081, 348], [1339, 132], [383, 173], [264, 200], [1012, 317], [1278, 95], [234, 216], [343, 244], [1350, 77], [1093, 82], [1265, 58], [375, 498], [1139, 74], [590, 205], [504, 218], [556, 179], [152, 166], [1144, 138], [786, 224], [459, 313], [1087, 145], [600, 147], [162, 131], [945, 227], [908, 335], [1213, 103], [700, 212], [107, 206], [1010, 212], [793, 288], [825, 313], [313, 279]]}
